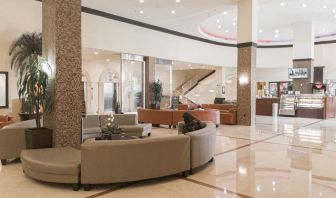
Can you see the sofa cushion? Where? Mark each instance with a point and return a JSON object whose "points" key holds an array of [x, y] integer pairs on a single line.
{"points": [[92, 130], [61, 161]]}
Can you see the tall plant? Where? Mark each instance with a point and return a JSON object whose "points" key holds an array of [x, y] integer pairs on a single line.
{"points": [[156, 92], [33, 84], [21, 50]]}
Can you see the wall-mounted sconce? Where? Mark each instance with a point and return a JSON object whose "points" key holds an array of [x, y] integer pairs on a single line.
{"points": [[243, 80]]}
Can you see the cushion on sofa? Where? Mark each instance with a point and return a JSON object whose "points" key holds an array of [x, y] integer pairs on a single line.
{"points": [[3, 118], [191, 123]]}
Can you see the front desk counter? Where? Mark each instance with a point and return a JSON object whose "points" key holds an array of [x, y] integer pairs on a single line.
{"points": [[264, 105]]}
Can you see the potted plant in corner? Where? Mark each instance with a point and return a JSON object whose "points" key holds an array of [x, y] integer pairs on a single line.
{"points": [[156, 94], [20, 51], [33, 85]]}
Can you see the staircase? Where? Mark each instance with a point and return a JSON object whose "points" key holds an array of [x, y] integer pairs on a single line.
{"points": [[189, 85]]}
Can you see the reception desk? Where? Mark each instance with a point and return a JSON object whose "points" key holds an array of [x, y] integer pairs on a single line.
{"points": [[264, 105]]}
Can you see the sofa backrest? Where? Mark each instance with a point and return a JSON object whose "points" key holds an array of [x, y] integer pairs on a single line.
{"points": [[91, 121], [126, 119], [219, 106], [203, 115], [22, 124], [164, 117], [132, 160]]}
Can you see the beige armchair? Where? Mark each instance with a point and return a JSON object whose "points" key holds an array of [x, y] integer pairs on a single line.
{"points": [[13, 140], [128, 124], [91, 127], [5, 120]]}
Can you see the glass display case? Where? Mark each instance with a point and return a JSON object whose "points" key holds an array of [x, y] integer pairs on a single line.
{"points": [[313, 101], [287, 105]]}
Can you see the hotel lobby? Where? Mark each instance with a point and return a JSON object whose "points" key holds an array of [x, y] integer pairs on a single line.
{"points": [[167, 98]]}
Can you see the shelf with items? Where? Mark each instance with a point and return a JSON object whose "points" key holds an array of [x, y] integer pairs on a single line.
{"points": [[287, 105], [312, 101]]}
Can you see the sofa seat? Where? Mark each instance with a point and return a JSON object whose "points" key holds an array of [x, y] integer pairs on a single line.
{"points": [[92, 130], [140, 130], [58, 165]]}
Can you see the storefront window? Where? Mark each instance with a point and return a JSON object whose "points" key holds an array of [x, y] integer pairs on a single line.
{"points": [[163, 72]]}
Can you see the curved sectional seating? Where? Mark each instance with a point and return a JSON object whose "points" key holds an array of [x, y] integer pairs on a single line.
{"points": [[103, 162], [173, 117]]}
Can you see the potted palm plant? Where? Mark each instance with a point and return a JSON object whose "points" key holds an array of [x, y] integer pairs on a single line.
{"points": [[20, 51], [156, 94], [32, 84]]}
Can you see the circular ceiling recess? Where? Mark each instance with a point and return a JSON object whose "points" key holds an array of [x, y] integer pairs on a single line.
{"points": [[275, 21]]}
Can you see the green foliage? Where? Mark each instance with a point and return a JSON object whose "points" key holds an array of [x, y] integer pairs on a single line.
{"points": [[24, 47], [156, 92], [33, 85]]}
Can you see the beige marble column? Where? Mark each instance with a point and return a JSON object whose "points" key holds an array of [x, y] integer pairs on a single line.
{"points": [[246, 68], [303, 54], [61, 26], [149, 79]]}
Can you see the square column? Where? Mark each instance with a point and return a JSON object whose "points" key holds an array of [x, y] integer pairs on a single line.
{"points": [[303, 54], [62, 48], [149, 79], [246, 68]]}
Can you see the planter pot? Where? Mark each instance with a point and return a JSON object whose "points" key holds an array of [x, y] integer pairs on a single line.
{"points": [[38, 138], [155, 106], [26, 116]]}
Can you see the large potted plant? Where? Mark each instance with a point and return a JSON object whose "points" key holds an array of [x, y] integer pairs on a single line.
{"points": [[32, 84], [20, 51], [156, 94]]}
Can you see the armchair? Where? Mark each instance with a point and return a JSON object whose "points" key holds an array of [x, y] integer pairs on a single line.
{"points": [[5, 120]]}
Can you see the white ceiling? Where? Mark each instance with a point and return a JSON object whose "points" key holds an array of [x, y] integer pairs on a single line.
{"points": [[191, 16]]}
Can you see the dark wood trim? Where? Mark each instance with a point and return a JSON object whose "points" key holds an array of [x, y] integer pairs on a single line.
{"points": [[325, 42], [248, 44], [7, 100], [275, 46], [200, 80], [303, 59]]}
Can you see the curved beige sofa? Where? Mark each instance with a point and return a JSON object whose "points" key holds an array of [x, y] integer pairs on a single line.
{"points": [[104, 162], [13, 139], [132, 160]]}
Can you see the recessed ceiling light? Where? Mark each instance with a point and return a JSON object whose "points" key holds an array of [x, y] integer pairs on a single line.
{"points": [[261, 31], [234, 18], [334, 11], [107, 60], [276, 31], [224, 12], [323, 29], [141, 1], [173, 12], [304, 5], [227, 31], [219, 27], [282, 4], [178, 1], [218, 21], [141, 11], [96, 53], [276, 36], [335, 16], [325, 6], [234, 23]]}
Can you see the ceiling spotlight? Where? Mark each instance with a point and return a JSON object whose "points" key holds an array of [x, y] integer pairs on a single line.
{"points": [[107, 60], [219, 27], [178, 1], [323, 29], [261, 31], [141, 1], [276, 31], [141, 11], [235, 19], [227, 31], [334, 11], [276, 36], [96, 53], [173, 11], [234, 23], [325, 6], [282, 4], [335, 16], [304, 5], [224, 12], [218, 21]]}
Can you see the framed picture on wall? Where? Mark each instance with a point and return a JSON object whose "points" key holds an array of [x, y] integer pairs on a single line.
{"points": [[3, 90]]}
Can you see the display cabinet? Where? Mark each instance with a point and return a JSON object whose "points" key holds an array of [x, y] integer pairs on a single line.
{"points": [[313, 101], [287, 105]]}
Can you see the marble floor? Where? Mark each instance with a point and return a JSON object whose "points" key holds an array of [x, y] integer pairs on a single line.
{"points": [[286, 157]]}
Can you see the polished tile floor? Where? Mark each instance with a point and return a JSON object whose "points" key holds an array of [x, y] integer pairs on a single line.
{"points": [[286, 157]]}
